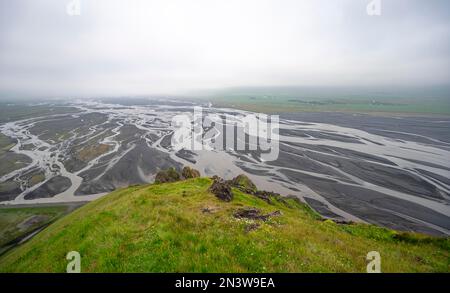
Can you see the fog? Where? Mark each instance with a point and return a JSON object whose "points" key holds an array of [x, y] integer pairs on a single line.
{"points": [[139, 47]]}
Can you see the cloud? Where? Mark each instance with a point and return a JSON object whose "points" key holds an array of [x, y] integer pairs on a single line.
{"points": [[120, 47]]}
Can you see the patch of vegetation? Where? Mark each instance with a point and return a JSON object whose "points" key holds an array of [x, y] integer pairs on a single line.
{"points": [[91, 152], [169, 175], [244, 182], [16, 222], [182, 227], [172, 175], [18, 111], [280, 104], [37, 178], [189, 173]]}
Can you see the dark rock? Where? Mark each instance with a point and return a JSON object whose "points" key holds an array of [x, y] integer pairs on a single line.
{"points": [[254, 214], [173, 173], [340, 221], [169, 175], [251, 227], [264, 195], [248, 213], [267, 195], [189, 173], [273, 214], [244, 183], [221, 189]]}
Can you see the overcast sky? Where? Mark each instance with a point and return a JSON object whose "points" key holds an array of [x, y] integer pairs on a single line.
{"points": [[135, 47]]}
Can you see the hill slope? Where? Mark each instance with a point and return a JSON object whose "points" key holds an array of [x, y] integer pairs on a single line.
{"points": [[182, 227]]}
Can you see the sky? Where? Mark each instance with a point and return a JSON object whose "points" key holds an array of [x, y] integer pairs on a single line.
{"points": [[139, 47]]}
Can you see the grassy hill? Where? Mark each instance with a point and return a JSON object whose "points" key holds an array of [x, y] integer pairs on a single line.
{"points": [[16, 222], [182, 227]]}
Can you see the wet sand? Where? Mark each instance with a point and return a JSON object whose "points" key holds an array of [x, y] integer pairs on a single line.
{"points": [[391, 171]]}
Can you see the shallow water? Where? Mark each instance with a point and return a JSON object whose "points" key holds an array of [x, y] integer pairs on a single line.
{"points": [[356, 172]]}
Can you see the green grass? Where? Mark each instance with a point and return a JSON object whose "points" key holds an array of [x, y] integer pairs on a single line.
{"points": [[18, 111], [11, 219], [162, 228], [280, 104]]}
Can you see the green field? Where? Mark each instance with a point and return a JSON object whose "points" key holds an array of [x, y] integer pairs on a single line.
{"points": [[276, 104], [16, 222], [410, 100], [182, 227], [18, 111]]}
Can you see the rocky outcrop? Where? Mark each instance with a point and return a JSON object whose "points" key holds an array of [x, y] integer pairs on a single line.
{"points": [[243, 183], [189, 173], [221, 189], [169, 175], [172, 175]]}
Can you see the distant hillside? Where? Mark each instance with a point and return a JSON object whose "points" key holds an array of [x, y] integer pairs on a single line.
{"points": [[406, 101], [183, 227]]}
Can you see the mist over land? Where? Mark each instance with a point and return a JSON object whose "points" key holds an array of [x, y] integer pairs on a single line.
{"points": [[116, 48]]}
